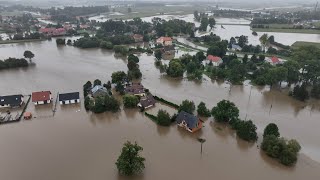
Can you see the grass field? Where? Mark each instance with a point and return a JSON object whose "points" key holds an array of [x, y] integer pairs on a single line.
{"points": [[303, 43], [20, 41], [303, 31]]}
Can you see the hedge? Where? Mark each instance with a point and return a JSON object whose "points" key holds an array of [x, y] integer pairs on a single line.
{"points": [[152, 117], [166, 102]]}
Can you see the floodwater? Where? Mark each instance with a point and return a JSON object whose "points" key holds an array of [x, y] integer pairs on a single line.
{"points": [[75, 144]]}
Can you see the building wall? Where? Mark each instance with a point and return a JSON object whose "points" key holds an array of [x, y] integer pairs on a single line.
{"points": [[4, 106]]}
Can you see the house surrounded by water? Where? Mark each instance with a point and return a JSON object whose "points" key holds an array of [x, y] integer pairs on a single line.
{"points": [[41, 97], [11, 101], [69, 98], [189, 122]]}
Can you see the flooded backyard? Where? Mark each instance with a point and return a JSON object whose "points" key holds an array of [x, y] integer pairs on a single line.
{"points": [[75, 144]]}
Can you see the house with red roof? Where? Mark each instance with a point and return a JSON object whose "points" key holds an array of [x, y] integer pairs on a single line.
{"points": [[137, 38], [273, 60], [165, 41], [53, 31], [215, 60], [41, 97]]}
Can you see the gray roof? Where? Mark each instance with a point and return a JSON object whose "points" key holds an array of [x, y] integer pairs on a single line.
{"points": [[190, 119], [69, 96], [12, 100], [98, 89]]}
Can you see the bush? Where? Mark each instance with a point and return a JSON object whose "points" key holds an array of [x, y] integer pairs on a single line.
{"points": [[187, 106], [203, 110], [13, 63], [163, 118], [271, 129], [130, 101], [61, 41], [246, 130], [225, 111]]}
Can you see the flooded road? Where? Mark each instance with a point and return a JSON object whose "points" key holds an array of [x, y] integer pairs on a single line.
{"points": [[79, 145]]}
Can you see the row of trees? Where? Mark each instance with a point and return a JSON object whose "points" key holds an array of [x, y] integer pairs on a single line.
{"points": [[274, 146], [13, 63]]}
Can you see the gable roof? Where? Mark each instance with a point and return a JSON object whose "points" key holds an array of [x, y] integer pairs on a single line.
{"points": [[214, 58], [99, 89], [69, 96], [137, 36], [41, 96], [162, 38], [12, 100], [190, 119], [148, 101], [275, 60], [135, 88]]}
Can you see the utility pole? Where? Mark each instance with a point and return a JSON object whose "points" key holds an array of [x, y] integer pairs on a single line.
{"points": [[201, 140]]}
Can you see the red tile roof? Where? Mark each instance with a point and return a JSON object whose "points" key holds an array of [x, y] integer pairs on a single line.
{"points": [[275, 60], [41, 96], [214, 58], [165, 38]]}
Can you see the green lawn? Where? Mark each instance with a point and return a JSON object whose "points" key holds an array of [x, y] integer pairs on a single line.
{"points": [[304, 31], [303, 43]]}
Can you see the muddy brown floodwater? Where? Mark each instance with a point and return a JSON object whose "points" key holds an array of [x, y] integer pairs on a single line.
{"points": [[80, 145]]}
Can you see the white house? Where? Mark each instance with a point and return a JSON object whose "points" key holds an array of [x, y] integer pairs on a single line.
{"points": [[42, 97], [215, 60], [11, 101], [69, 98], [273, 60], [165, 41]]}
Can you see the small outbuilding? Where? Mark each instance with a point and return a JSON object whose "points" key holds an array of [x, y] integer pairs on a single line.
{"points": [[69, 98], [147, 102], [27, 115]]}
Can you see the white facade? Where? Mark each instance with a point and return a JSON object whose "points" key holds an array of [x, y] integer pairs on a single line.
{"points": [[42, 102], [74, 101]]}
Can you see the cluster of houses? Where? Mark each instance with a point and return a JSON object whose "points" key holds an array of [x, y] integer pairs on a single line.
{"points": [[185, 120], [167, 45], [217, 61], [38, 98]]}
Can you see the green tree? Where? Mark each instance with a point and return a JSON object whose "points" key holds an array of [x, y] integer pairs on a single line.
{"points": [[96, 82], [264, 41], [132, 65], [118, 77], [130, 162], [300, 92], [175, 68], [204, 24], [88, 103], [271, 129], [293, 71], [212, 22], [133, 58], [29, 55], [203, 110], [225, 111], [106, 45], [158, 54], [315, 91], [245, 59], [130, 101], [164, 118], [121, 49], [187, 106], [86, 88], [246, 130]]}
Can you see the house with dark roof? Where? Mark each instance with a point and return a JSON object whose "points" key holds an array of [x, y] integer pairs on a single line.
{"points": [[69, 98], [11, 101], [136, 89], [189, 122], [41, 97], [168, 50], [147, 102], [99, 90]]}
